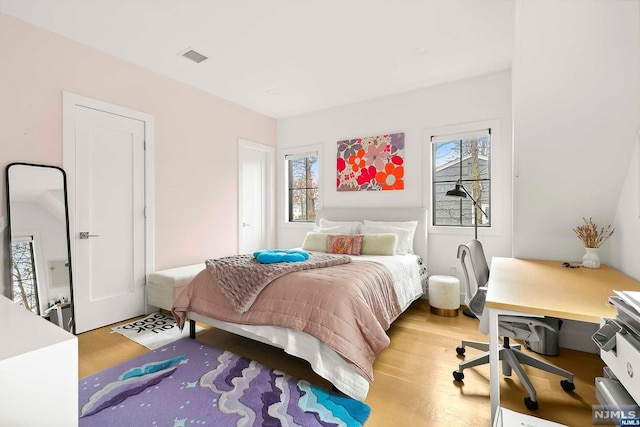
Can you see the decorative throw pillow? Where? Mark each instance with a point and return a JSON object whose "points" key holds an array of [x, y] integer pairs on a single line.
{"points": [[410, 226], [347, 245], [379, 244], [315, 242], [271, 256], [404, 242]]}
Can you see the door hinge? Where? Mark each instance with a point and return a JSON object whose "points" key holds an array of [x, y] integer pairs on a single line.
{"points": [[145, 212], [144, 145]]}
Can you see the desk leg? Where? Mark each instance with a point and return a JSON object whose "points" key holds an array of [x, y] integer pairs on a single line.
{"points": [[494, 362]]}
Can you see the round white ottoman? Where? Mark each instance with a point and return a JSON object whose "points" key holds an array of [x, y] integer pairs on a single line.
{"points": [[444, 295]]}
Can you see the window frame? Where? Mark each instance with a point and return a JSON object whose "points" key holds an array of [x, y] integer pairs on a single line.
{"points": [[460, 133], [296, 153]]}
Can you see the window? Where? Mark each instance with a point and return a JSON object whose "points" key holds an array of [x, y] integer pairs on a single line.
{"points": [[464, 157], [23, 274], [302, 186]]}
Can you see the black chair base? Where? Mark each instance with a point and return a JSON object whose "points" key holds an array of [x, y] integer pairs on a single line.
{"points": [[468, 313]]}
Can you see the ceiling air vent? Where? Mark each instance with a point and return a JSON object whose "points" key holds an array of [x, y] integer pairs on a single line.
{"points": [[193, 55]]}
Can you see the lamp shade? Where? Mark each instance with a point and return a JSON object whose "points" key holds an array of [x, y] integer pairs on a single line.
{"points": [[456, 192], [462, 193]]}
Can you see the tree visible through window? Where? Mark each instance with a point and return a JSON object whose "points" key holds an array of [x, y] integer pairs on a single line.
{"points": [[302, 186], [23, 275], [464, 157]]}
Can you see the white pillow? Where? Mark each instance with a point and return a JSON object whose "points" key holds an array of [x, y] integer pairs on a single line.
{"points": [[410, 226], [338, 227], [379, 244], [315, 242], [403, 243]]}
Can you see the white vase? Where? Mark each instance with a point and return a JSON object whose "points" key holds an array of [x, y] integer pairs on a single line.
{"points": [[591, 259]]}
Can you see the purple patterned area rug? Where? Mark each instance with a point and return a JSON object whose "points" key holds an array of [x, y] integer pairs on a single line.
{"points": [[187, 383]]}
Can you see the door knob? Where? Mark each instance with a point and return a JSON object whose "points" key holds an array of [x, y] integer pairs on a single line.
{"points": [[244, 224], [86, 235]]}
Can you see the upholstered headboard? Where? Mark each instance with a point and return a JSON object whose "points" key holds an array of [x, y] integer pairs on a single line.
{"points": [[384, 214]]}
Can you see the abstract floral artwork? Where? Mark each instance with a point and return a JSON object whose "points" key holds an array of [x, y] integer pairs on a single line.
{"points": [[371, 164]]}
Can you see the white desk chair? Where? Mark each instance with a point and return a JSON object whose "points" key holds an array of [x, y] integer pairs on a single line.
{"points": [[521, 328], [480, 272]]}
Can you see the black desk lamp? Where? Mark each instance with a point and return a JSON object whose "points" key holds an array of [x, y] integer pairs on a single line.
{"points": [[462, 192]]}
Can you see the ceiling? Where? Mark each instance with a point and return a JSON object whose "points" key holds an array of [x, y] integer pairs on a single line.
{"points": [[288, 57]]}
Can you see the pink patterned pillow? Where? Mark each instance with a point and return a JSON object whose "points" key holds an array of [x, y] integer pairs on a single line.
{"points": [[348, 245]]}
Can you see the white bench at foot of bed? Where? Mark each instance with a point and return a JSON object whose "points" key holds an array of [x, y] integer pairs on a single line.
{"points": [[164, 287]]}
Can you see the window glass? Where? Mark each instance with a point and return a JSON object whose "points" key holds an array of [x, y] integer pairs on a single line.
{"points": [[302, 186], [23, 275], [464, 159]]}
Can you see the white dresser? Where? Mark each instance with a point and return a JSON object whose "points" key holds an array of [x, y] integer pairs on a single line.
{"points": [[38, 370]]}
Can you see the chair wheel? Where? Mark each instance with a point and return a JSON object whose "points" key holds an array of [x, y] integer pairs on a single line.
{"points": [[458, 376], [460, 350], [531, 405], [567, 385]]}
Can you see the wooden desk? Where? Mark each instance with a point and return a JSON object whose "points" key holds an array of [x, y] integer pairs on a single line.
{"points": [[545, 288]]}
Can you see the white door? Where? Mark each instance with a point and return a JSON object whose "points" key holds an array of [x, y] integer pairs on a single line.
{"points": [[254, 221], [109, 218]]}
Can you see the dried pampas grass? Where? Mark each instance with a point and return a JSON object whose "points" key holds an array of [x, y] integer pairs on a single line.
{"points": [[590, 235]]}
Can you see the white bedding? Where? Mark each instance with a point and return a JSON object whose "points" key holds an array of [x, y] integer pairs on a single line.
{"points": [[405, 271]]}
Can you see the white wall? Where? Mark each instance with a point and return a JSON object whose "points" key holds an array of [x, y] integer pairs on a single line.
{"points": [[195, 134], [417, 114], [624, 245], [576, 111]]}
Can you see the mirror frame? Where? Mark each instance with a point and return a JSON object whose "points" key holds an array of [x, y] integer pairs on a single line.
{"points": [[66, 215]]}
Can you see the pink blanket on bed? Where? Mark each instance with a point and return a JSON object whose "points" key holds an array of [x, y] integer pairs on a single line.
{"points": [[241, 278], [349, 307]]}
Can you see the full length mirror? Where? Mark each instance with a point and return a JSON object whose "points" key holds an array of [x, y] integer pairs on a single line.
{"points": [[37, 210]]}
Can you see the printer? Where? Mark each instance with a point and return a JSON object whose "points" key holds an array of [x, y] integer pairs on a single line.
{"points": [[619, 343]]}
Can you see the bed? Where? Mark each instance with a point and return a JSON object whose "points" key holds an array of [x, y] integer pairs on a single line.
{"points": [[349, 369]]}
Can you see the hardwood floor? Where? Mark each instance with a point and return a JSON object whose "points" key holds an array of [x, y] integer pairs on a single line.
{"points": [[413, 377]]}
